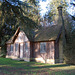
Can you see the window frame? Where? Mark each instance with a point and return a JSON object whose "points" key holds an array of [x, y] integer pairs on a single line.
{"points": [[43, 46], [12, 47], [26, 46], [16, 49]]}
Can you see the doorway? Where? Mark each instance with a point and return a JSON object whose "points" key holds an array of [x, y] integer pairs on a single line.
{"points": [[21, 50]]}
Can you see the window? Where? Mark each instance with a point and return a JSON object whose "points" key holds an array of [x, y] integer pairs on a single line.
{"points": [[16, 46], [12, 47], [21, 50], [26, 46], [42, 47]]}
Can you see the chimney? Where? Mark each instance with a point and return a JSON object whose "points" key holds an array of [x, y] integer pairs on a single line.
{"points": [[60, 10], [61, 20]]}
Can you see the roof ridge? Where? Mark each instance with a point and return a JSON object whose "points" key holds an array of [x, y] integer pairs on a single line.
{"points": [[12, 39]]}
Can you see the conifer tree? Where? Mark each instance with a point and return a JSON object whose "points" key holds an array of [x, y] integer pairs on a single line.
{"points": [[14, 13]]}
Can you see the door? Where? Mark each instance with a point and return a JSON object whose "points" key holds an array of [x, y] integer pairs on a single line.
{"points": [[21, 50]]}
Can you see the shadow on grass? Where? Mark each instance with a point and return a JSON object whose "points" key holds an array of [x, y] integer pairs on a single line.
{"points": [[43, 70], [31, 65], [27, 65], [51, 66], [14, 67]]}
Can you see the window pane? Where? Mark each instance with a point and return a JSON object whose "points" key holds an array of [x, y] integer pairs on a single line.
{"points": [[26, 46], [42, 47], [16, 47], [11, 47], [21, 50]]}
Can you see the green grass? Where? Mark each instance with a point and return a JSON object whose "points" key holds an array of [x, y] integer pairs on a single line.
{"points": [[14, 67]]}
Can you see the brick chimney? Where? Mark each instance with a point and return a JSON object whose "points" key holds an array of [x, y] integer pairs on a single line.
{"points": [[61, 19], [61, 22], [60, 10]]}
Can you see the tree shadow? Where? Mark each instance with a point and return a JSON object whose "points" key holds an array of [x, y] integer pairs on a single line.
{"points": [[10, 67], [28, 65], [51, 66]]}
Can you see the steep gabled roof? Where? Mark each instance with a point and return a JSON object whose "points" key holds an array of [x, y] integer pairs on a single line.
{"points": [[47, 33], [41, 34], [12, 39]]}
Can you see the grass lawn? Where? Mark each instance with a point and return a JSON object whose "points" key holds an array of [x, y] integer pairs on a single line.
{"points": [[14, 67]]}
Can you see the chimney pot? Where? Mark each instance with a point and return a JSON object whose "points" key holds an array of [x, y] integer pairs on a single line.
{"points": [[60, 6], [60, 10]]}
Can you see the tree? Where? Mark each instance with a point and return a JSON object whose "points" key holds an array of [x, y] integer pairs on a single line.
{"points": [[69, 51], [13, 14], [53, 8]]}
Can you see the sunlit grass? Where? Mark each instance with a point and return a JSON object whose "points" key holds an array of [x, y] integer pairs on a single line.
{"points": [[14, 67], [71, 67]]}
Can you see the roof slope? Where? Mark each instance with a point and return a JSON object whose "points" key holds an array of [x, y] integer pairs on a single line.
{"points": [[41, 34], [47, 33], [12, 39]]}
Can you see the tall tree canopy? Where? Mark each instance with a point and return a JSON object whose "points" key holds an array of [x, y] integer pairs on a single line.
{"points": [[14, 13], [69, 22], [53, 8]]}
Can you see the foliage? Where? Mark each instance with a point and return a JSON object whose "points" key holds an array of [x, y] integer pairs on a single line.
{"points": [[53, 14], [14, 13], [69, 51]]}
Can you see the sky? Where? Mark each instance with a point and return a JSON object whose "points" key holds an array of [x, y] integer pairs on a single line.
{"points": [[44, 5], [71, 8]]}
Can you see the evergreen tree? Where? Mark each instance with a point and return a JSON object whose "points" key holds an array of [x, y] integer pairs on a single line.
{"points": [[53, 14], [14, 13], [69, 52]]}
